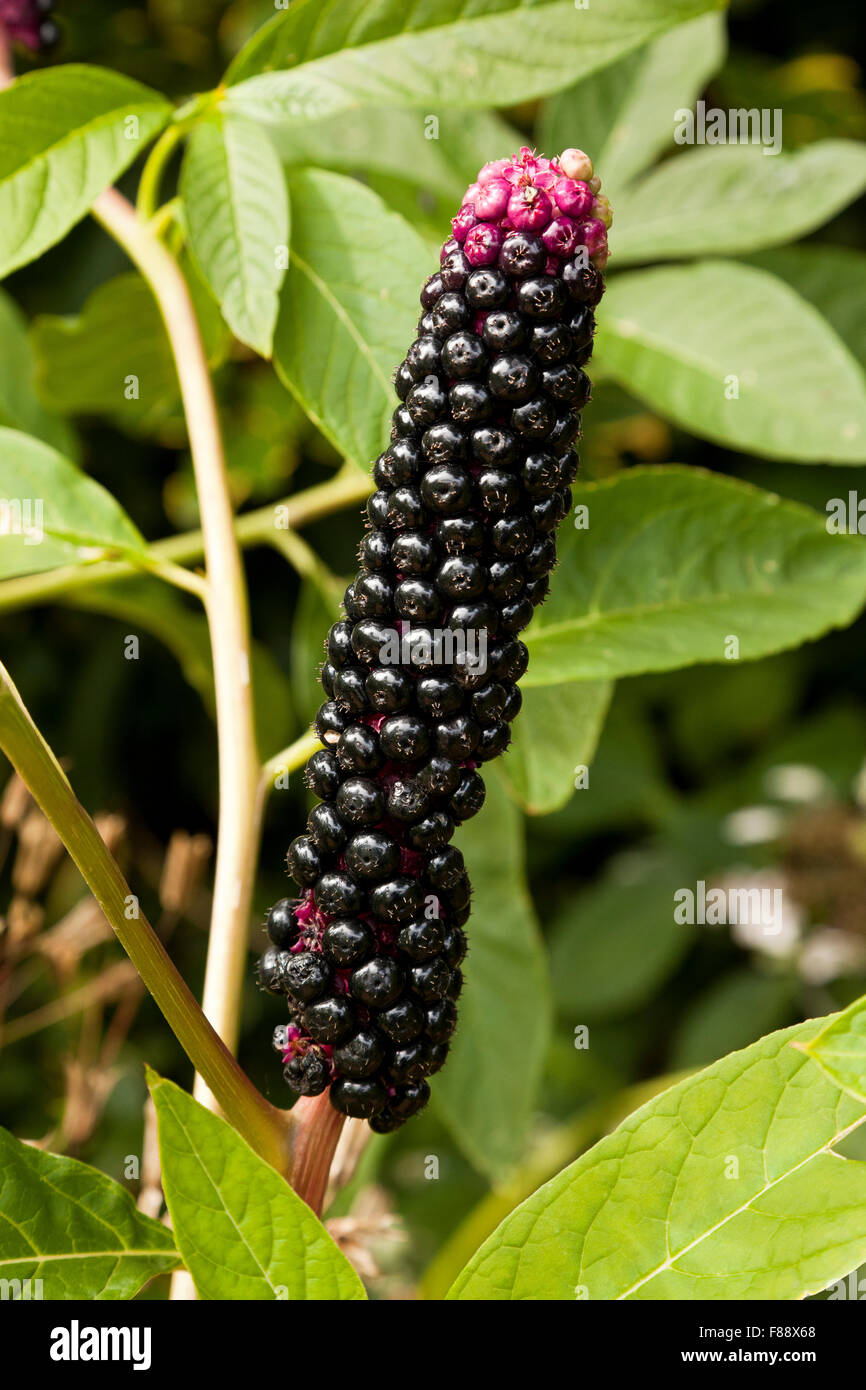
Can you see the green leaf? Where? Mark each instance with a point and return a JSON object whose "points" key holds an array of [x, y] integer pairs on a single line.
{"points": [[487, 1092], [685, 338], [833, 279], [840, 1049], [242, 1231], [393, 142], [51, 512], [74, 1228], [612, 945], [555, 733], [727, 199], [114, 358], [237, 213], [65, 135], [20, 407], [339, 55], [347, 309], [159, 609], [674, 562], [685, 1199], [623, 114]]}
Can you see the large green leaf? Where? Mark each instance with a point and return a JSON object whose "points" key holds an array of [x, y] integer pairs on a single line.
{"points": [[347, 53], [554, 735], [114, 357], [347, 309], [65, 135], [74, 1228], [725, 199], [623, 114], [237, 213], [242, 1231], [20, 407], [687, 1197], [675, 561], [840, 1049], [833, 279], [614, 943], [487, 1092], [402, 144], [718, 348], [51, 513]]}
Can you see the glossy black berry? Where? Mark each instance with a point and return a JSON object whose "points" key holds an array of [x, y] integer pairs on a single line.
{"points": [[450, 312], [541, 297], [413, 552], [426, 402], [407, 1063], [551, 342], [402, 1022], [446, 489], [282, 924], [438, 695], [422, 359], [443, 443], [325, 828], [422, 939], [432, 290], [534, 419], [270, 970], [350, 690], [359, 1099], [487, 288], [347, 941], [322, 774], [512, 378], [494, 445], [303, 861], [440, 1020], [470, 402], [523, 253], [388, 689], [361, 1055], [377, 983], [431, 833], [459, 534], [398, 900], [504, 330], [329, 1020], [440, 776], [468, 797], [463, 355], [371, 856], [358, 750], [338, 895]]}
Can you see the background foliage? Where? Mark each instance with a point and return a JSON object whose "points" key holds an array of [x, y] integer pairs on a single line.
{"points": [[707, 519]]}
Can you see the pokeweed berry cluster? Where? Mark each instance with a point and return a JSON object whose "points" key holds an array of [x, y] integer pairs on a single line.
{"points": [[421, 673], [28, 22]]}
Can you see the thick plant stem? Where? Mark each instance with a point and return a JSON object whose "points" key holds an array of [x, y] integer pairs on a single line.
{"points": [[315, 1141], [265, 1128], [228, 619]]}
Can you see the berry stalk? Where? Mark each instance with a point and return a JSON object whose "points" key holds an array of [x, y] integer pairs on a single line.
{"points": [[421, 674]]}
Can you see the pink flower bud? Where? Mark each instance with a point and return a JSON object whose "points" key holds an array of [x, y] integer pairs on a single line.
{"points": [[593, 234], [483, 243], [450, 245], [493, 170], [572, 197], [602, 210], [492, 199]]}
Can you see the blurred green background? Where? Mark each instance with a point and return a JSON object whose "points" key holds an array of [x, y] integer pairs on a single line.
{"points": [[746, 774]]}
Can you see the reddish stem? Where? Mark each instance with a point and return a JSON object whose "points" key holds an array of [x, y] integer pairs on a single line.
{"points": [[317, 1136]]}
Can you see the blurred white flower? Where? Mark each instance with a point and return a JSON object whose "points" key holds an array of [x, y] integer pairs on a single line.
{"points": [[797, 782], [828, 953], [753, 825]]}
